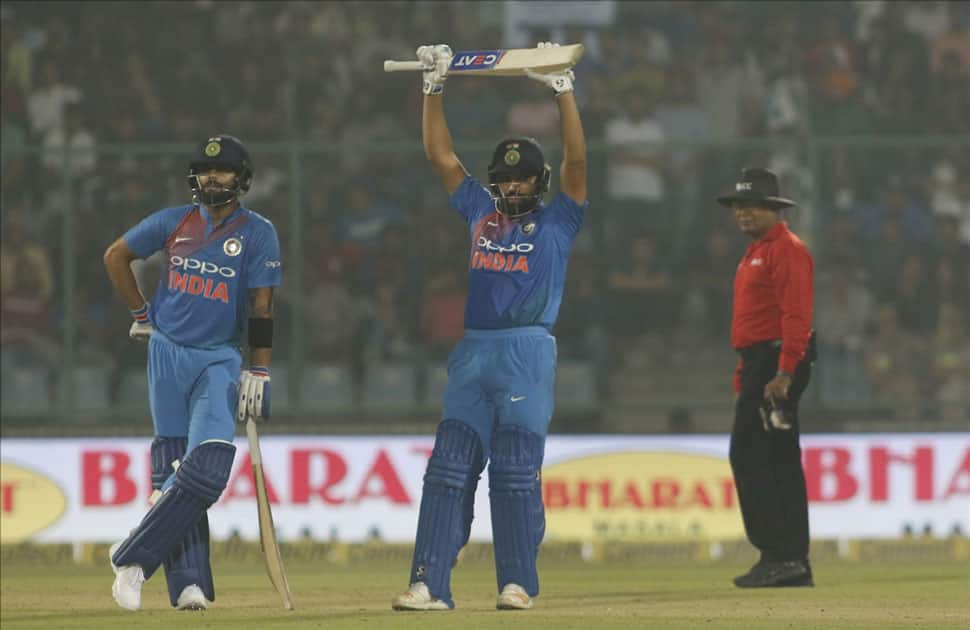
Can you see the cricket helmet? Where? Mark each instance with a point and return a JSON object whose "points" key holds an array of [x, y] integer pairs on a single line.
{"points": [[222, 152], [518, 159]]}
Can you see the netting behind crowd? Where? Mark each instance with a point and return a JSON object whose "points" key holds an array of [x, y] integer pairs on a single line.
{"points": [[860, 108]]}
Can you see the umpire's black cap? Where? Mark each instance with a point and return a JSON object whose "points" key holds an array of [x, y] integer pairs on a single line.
{"points": [[518, 157], [758, 185]]}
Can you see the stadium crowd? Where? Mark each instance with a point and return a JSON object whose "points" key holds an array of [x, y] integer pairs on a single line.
{"points": [[676, 97]]}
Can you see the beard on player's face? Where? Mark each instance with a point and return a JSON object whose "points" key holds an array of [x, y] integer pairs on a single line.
{"points": [[217, 179], [514, 194]]}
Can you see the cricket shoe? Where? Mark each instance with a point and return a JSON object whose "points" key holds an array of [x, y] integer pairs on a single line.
{"points": [[192, 598], [775, 574], [128, 580], [417, 597], [513, 597]]}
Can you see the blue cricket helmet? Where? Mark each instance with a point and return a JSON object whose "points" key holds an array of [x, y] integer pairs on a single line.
{"points": [[222, 152]]}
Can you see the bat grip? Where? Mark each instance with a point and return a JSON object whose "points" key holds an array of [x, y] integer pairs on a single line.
{"points": [[396, 66]]}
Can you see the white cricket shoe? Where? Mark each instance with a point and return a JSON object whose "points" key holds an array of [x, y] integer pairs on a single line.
{"points": [[513, 597], [417, 597], [128, 580], [192, 598]]}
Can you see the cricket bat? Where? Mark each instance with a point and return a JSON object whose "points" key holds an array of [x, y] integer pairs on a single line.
{"points": [[267, 531], [502, 63]]}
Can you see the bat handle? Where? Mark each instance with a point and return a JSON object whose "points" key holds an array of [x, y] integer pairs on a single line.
{"points": [[255, 457], [397, 66]]}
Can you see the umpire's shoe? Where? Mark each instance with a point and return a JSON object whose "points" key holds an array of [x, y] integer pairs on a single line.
{"points": [[788, 573]]}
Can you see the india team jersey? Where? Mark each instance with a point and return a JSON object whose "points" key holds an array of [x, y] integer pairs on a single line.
{"points": [[202, 299], [517, 270]]}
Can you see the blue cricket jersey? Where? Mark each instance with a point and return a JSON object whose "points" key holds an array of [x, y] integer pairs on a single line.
{"points": [[517, 269], [202, 300]]}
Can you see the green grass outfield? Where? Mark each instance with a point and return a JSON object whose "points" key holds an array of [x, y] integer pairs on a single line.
{"points": [[886, 594]]}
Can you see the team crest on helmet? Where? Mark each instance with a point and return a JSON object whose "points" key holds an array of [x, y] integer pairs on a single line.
{"points": [[232, 247], [213, 148], [528, 228], [512, 157]]}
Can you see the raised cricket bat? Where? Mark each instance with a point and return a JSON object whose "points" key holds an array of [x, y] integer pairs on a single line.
{"points": [[508, 62], [267, 531]]}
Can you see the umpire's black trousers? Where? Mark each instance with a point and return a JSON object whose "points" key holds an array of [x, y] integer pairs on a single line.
{"points": [[767, 464]]}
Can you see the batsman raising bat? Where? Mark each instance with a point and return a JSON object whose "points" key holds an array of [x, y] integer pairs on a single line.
{"points": [[499, 398]]}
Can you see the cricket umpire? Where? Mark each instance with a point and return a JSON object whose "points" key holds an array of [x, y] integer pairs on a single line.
{"points": [[771, 329]]}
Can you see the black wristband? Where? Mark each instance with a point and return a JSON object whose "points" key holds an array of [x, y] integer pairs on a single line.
{"points": [[260, 332]]}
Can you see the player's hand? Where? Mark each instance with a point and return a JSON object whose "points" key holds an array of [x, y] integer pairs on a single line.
{"points": [[141, 329], [561, 81], [437, 59], [254, 390], [141, 332]]}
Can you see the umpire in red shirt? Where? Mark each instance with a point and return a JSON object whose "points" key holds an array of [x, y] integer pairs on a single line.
{"points": [[771, 329]]}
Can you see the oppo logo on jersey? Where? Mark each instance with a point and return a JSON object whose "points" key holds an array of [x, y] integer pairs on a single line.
{"points": [[203, 267], [501, 257], [197, 285], [521, 248]]}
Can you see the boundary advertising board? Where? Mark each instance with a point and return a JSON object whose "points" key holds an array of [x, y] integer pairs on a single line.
{"points": [[602, 487]]}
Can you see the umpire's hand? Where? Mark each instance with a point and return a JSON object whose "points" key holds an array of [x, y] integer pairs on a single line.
{"points": [[777, 388]]}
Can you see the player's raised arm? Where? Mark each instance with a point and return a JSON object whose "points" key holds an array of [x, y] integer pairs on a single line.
{"points": [[438, 146], [572, 172]]}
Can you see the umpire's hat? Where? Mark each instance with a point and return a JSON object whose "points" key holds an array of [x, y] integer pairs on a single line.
{"points": [[757, 185]]}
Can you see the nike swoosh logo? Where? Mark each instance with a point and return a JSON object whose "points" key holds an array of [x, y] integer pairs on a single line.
{"points": [[180, 239], [493, 224], [517, 398]]}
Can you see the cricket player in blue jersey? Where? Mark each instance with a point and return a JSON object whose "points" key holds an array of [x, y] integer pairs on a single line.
{"points": [[223, 261], [499, 398]]}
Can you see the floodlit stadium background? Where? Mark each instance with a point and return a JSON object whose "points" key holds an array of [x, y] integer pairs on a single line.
{"points": [[861, 108]]}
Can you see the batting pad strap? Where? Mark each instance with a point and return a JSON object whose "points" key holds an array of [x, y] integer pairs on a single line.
{"points": [[515, 495], [260, 332], [165, 452]]}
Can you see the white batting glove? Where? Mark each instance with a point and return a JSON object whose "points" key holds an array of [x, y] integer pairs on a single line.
{"points": [[141, 329], [254, 391], [561, 81], [437, 59]]}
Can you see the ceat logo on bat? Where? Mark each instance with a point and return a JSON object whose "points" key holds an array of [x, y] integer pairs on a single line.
{"points": [[476, 60]]}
